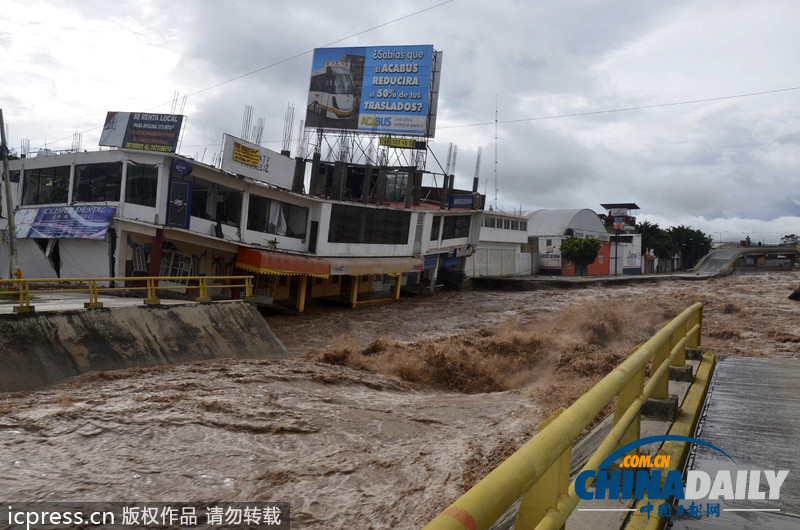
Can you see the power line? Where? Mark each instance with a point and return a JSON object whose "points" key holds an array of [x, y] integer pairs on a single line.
{"points": [[297, 56], [301, 54], [625, 109]]}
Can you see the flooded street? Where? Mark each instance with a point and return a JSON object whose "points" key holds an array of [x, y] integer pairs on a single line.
{"points": [[386, 413]]}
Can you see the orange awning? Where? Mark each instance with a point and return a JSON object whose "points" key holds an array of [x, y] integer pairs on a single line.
{"points": [[362, 266], [266, 262]]}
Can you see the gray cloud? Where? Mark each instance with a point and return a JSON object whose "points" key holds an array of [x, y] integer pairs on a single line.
{"points": [[735, 159]]}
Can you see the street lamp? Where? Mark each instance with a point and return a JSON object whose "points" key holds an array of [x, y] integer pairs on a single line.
{"points": [[720, 235]]}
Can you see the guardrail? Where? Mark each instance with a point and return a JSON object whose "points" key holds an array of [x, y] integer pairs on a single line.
{"points": [[21, 287], [538, 472]]}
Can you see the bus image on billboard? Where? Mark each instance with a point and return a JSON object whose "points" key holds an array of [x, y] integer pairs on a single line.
{"points": [[375, 89], [332, 92]]}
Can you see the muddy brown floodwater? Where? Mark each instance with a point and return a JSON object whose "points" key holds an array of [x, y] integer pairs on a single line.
{"points": [[386, 414]]}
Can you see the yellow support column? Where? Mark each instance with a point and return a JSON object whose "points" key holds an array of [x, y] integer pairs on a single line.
{"points": [[629, 394], [543, 495], [203, 297], [301, 293], [94, 297], [24, 296], [248, 289], [695, 319], [397, 285], [354, 291], [151, 293], [680, 358], [662, 387]]}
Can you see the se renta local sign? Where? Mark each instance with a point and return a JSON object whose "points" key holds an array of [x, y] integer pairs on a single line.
{"points": [[142, 131], [388, 89]]}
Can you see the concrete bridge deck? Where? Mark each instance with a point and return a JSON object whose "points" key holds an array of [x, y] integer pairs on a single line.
{"points": [[752, 412]]}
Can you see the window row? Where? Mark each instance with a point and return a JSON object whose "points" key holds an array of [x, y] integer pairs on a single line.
{"points": [[354, 224], [504, 224], [276, 217], [92, 183], [455, 227], [215, 202], [103, 182]]}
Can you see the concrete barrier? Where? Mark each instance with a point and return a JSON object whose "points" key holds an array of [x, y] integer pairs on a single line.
{"points": [[39, 349]]}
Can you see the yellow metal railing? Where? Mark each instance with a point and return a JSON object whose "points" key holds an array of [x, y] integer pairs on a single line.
{"points": [[24, 288], [538, 473]]}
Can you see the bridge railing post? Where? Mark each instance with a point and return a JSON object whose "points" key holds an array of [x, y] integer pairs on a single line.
{"points": [[24, 298], [203, 297], [695, 319], [630, 393], [151, 292], [94, 296], [662, 355], [680, 359], [248, 289], [544, 494]]}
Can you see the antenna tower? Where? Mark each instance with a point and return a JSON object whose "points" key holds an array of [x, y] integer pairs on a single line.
{"points": [[77, 140], [477, 170], [258, 131], [302, 139], [247, 121], [288, 125], [495, 151], [452, 153], [178, 103]]}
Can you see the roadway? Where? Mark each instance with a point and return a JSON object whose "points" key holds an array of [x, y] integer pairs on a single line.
{"points": [[724, 258], [716, 260]]}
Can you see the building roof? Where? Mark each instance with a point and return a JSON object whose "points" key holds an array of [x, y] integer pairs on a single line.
{"points": [[626, 205], [557, 222]]}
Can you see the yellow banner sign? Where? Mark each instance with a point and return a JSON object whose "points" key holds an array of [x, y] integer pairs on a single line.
{"points": [[246, 155], [403, 143]]}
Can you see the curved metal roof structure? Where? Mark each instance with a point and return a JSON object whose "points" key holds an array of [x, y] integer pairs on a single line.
{"points": [[557, 222]]}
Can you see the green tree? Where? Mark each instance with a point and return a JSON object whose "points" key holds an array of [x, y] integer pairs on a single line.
{"points": [[657, 239], [790, 240], [692, 243], [581, 252]]}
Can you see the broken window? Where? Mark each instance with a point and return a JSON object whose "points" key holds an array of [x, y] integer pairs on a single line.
{"points": [[46, 186], [276, 217], [141, 185], [456, 227], [98, 182]]}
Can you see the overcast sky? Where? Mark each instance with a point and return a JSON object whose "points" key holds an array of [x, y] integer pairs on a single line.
{"points": [[728, 165]]}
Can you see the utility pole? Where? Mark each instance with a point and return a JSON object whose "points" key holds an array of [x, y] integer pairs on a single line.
{"points": [[12, 231]]}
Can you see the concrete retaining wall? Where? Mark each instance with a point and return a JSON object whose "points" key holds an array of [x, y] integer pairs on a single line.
{"points": [[39, 349]]}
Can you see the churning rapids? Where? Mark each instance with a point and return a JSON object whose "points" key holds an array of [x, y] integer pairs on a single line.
{"points": [[386, 414]]}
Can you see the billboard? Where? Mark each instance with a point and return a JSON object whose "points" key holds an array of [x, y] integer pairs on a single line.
{"points": [[389, 89], [64, 222], [142, 131], [251, 160]]}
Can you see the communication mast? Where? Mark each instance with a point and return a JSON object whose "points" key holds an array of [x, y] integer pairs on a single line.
{"points": [[477, 171], [495, 151], [77, 140], [247, 120], [288, 125]]}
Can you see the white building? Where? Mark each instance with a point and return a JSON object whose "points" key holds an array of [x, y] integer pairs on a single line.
{"points": [[500, 251], [548, 228], [127, 213], [626, 244]]}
